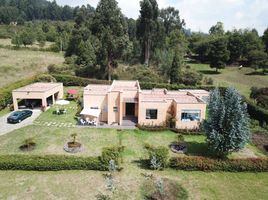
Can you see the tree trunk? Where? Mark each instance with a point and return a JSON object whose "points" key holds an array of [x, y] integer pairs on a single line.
{"points": [[147, 52], [109, 68]]}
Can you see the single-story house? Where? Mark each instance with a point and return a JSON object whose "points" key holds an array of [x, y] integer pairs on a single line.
{"points": [[40, 95], [124, 101]]}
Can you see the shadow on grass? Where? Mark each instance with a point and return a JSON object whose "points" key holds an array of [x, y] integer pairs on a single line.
{"points": [[199, 149], [142, 163], [256, 73], [209, 72]]}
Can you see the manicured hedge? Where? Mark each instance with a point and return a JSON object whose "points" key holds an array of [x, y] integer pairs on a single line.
{"points": [[69, 80], [149, 85], [152, 128], [6, 92], [257, 112], [61, 162], [50, 163], [208, 164], [163, 128]]}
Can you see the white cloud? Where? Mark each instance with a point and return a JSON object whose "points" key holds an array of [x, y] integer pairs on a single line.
{"points": [[202, 14]]}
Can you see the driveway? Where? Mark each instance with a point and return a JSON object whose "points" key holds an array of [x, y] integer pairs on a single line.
{"points": [[6, 128]]}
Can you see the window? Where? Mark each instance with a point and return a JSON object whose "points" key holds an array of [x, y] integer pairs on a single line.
{"points": [[115, 109], [190, 115], [151, 113]]}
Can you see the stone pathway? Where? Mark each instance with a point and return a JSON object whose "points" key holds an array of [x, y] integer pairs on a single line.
{"points": [[55, 124]]}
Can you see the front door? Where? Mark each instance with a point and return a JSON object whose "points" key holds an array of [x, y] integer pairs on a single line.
{"points": [[130, 109]]}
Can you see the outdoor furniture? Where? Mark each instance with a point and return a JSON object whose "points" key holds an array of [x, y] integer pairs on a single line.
{"points": [[82, 121], [57, 111], [63, 111]]}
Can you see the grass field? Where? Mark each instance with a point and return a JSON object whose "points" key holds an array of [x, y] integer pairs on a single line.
{"points": [[242, 79], [74, 185], [17, 65], [52, 131], [87, 184]]}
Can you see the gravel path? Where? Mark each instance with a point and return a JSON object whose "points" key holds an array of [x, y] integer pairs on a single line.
{"points": [[6, 128]]}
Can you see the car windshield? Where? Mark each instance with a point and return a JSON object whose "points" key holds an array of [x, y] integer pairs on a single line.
{"points": [[16, 114]]}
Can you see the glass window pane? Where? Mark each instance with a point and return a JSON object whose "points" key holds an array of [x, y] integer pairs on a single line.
{"points": [[190, 115], [151, 113]]}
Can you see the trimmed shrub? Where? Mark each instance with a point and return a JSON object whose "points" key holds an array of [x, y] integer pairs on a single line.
{"points": [[111, 153], [159, 154], [47, 78], [6, 92], [164, 128], [207, 164], [50, 163], [152, 128]]}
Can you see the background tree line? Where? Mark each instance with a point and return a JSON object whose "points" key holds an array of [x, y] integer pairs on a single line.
{"points": [[157, 39], [236, 47], [28, 10], [156, 47]]}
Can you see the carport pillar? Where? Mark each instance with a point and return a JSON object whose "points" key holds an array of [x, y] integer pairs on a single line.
{"points": [[15, 103], [44, 103], [53, 99]]}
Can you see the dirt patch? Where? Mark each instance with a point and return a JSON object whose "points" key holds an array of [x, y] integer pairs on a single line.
{"points": [[260, 140]]}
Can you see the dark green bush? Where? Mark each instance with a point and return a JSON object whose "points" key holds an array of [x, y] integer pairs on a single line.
{"points": [[257, 112], [50, 163], [159, 153], [45, 78], [207, 164], [158, 128], [60, 162], [111, 153]]}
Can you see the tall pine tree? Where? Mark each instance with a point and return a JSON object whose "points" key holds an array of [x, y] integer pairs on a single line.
{"points": [[227, 124], [175, 67], [110, 27], [147, 26]]}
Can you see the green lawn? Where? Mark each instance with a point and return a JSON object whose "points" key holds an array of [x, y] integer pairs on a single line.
{"points": [[242, 79], [50, 116], [73, 185], [50, 140], [129, 182]]}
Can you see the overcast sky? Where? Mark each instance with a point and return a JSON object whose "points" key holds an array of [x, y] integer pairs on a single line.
{"points": [[200, 15]]}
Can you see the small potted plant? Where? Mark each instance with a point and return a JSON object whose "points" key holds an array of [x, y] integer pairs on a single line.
{"points": [[179, 146], [73, 146]]}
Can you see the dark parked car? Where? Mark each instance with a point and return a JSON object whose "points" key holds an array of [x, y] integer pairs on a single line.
{"points": [[18, 116]]}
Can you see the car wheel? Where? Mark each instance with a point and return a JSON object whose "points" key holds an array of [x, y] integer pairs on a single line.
{"points": [[19, 121]]}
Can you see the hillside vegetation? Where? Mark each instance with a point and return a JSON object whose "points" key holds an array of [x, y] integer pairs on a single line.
{"points": [[17, 65], [242, 79]]}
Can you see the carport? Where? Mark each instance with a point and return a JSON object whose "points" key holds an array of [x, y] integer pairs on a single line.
{"points": [[45, 93]]}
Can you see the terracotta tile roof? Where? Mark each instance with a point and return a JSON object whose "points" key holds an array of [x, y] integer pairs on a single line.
{"points": [[38, 87]]}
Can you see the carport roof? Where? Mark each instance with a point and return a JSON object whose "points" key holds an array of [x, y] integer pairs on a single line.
{"points": [[38, 87]]}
